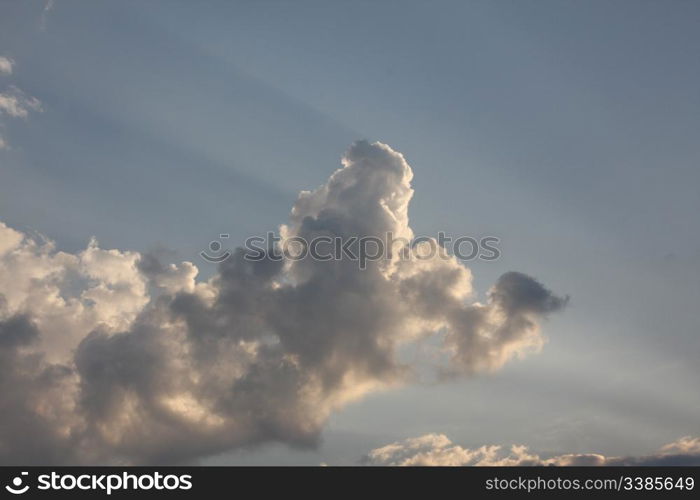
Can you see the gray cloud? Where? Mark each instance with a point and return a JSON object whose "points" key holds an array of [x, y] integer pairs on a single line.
{"points": [[117, 357], [438, 450]]}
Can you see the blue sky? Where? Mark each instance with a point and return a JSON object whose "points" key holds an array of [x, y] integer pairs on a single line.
{"points": [[567, 129]]}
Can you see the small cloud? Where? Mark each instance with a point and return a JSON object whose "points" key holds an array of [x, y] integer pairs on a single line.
{"points": [[15, 103], [684, 446], [142, 363], [45, 14], [6, 65]]}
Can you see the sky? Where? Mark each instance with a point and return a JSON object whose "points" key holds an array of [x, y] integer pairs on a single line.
{"points": [[566, 129]]}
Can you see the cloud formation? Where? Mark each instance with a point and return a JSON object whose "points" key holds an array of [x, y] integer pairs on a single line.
{"points": [[438, 450], [111, 356]]}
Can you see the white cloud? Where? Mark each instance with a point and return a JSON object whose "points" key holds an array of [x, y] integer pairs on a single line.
{"points": [[685, 445], [438, 450], [6, 65], [17, 104], [111, 371], [48, 7]]}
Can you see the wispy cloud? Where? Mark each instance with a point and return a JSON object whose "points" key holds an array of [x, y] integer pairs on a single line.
{"points": [[48, 7], [6, 65], [14, 103]]}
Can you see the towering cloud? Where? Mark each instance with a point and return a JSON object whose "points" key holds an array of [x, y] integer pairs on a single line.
{"points": [[438, 450], [111, 356]]}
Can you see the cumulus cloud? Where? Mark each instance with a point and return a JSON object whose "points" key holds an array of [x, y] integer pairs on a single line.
{"points": [[437, 450], [112, 356]]}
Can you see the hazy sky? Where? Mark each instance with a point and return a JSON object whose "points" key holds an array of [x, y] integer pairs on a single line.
{"points": [[567, 129]]}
